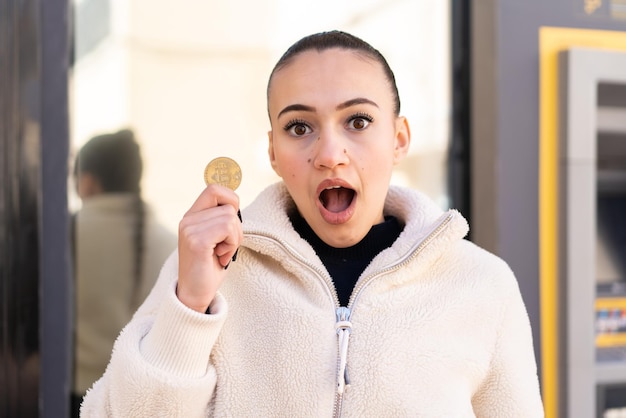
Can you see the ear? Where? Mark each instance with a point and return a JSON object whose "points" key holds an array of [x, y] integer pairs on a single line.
{"points": [[402, 140], [270, 152]]}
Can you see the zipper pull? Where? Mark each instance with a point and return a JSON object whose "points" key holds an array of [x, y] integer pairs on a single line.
{"points": [[343, 326]]}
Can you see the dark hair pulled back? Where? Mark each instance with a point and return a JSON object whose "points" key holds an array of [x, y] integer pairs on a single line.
{"points": [[338, 39], [114, 160]]}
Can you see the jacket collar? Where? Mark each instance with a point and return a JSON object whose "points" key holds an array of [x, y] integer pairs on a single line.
{"points": [[420, 216]]}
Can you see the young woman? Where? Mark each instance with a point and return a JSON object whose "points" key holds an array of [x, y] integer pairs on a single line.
{"points": [[348, 297], [119, 248]]}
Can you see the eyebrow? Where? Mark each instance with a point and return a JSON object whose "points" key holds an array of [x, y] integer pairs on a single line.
{"points": [[341, 106], [357, 101], [295, 108]]}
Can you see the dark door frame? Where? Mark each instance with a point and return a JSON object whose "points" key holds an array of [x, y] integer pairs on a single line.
{"points": [[35, 286], [459, 152]]}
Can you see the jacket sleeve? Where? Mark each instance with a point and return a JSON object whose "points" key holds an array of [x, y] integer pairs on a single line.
{"points": [[511, 388], [160, 365]]}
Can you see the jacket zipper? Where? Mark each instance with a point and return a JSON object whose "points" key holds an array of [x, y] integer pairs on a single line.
{"points": [[343, 325], [344, 328]]}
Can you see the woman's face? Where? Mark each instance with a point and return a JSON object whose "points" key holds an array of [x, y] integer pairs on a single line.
{"points": [[334, 140]]}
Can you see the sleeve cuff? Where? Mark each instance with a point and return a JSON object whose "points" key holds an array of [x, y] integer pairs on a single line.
{"points": [[180, 340]]}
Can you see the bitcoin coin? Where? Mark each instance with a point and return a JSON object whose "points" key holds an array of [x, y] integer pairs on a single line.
{"points": [[223, 171]]}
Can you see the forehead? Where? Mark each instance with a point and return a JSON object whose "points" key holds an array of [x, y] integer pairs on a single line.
{"points": [[332, 74]]}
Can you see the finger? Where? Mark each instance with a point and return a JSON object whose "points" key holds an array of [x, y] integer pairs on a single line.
{"points": [[225, 251], [214, 195], [202, 231]]}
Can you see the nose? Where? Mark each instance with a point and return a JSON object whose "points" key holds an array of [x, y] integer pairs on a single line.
{"points": [[330, 150]]}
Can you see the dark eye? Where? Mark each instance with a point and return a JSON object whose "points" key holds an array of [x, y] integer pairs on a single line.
{"points": [[360, 122], [297, 128]]}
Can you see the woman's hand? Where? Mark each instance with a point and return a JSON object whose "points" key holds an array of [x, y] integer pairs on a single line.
{"points": [[208, 236]]}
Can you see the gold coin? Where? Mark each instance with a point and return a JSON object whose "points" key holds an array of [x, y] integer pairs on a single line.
{"points": [[223, 171]]}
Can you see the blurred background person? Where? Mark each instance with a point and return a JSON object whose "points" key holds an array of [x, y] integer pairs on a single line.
{"points": [[119, 248]]}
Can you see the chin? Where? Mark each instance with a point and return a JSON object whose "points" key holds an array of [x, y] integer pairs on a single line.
{"points": [[338, 240]]}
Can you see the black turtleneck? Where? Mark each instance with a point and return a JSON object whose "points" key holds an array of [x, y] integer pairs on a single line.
{"points": [[345, 265]]}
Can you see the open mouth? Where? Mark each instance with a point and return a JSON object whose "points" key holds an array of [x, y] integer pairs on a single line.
{"points": [[336, 199]]}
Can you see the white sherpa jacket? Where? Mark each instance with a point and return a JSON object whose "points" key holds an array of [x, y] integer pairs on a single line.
{"points": [[435, 327]]}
